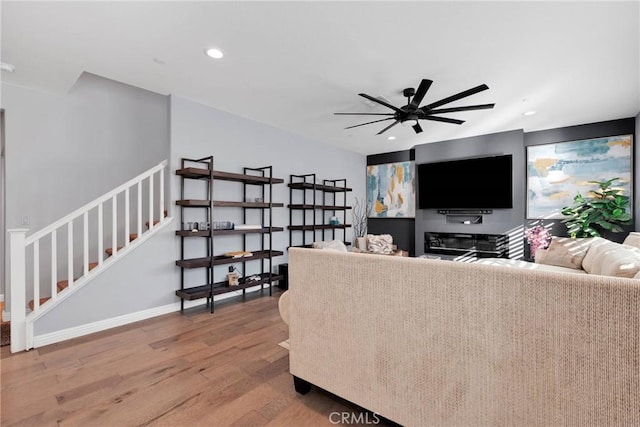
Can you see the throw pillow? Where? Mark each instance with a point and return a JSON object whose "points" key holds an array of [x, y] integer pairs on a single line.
{"points": [[633, 239], [566, 252], [334, 245], [622, 262], [380, 244], [593, 261]]}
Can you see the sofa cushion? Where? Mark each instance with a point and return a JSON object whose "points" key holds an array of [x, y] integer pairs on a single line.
{"points": [[335, 245], [380, 244], [633, 239], [592, 262], [622, 262], [565, 252]]}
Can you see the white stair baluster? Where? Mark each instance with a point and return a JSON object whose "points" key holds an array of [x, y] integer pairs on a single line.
{"points": [[114, 225], [85, 248], [139, 208], [54, 264], [70, 253], [150, 202], [36, 275], [161, 196], [100, 235], [126, 217]]}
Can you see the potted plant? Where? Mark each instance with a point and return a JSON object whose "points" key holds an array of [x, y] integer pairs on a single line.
{"points": [[605, 210], [360, 223]]}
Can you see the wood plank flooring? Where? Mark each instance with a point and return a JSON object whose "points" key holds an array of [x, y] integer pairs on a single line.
{"points": [[191, 369]]}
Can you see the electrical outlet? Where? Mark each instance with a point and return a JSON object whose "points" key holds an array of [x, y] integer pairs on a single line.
{"points": [[25, 220]]}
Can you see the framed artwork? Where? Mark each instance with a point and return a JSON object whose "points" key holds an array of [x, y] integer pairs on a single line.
{"points": [[391, 190], [557, 172]]}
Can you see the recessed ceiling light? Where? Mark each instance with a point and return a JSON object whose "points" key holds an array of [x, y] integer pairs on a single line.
{"points": [[529, 113], [391, 138], [7, 67], [214, 53]]}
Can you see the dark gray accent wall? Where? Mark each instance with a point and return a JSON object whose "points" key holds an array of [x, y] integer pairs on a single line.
{"points": [[501, 221], [636, 175], [586, 131], [402, 229]]}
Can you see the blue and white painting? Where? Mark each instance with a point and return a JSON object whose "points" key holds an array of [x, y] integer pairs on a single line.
{"points": [[557, 172], [391, 190]]}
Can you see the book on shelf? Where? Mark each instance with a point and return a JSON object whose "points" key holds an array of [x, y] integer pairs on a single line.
{"points": [[247, 226], [238, 254]]}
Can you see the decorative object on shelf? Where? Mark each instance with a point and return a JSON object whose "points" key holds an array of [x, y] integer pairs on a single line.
{"points": [[359, 221], [222, 225], [391, 190], [238, 254], [538, 237], [233, 278], [334, 220], [604, 210], [556, 172]]}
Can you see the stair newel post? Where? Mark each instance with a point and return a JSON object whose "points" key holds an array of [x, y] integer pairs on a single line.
{"points": [[17, 280], [151, 202]]}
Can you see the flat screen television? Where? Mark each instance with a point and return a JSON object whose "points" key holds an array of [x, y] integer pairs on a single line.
{"points": [[476, 183]]}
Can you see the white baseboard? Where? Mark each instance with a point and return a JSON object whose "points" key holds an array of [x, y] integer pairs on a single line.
{"points": [[102, 325]]}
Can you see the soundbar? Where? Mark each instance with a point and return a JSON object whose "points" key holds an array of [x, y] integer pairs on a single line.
{"points": [[464, 211]]}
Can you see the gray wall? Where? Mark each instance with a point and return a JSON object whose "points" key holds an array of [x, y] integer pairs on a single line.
{"points": [[501, 221], [62, 151], [235, 142]]}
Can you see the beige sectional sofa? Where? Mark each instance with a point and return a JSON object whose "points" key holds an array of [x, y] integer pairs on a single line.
{"points": [[427, 342]]}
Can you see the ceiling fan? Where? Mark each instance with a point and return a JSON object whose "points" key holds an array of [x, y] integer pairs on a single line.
{"points": [[412, 112]]}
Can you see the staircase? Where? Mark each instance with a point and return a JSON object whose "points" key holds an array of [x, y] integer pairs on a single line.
{"points": [[80, 237]]}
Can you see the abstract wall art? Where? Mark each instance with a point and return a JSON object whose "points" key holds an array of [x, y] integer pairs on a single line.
{"points": [[557, 172], [391, 190]]}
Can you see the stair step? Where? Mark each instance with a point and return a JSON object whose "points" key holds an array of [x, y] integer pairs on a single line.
{"points": [[42, 301], [156, 221], [63, 284], [109, 251]]}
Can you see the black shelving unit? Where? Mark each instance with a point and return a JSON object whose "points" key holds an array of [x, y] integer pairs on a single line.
{"points": [[312, 201], [203, 170]]}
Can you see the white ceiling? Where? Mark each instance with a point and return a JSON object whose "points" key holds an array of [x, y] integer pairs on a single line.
{"points": [[293, 64]]}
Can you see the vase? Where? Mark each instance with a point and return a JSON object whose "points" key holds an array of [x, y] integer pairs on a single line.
{"points": [[361, 243]]}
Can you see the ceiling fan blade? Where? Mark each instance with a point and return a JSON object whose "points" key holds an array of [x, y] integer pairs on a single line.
{"points": [[368, 123], [388, 127], [386, 104], [457, 96], [417, 127], [444, 119], [364, 114], [425, 84], [454, 109]]}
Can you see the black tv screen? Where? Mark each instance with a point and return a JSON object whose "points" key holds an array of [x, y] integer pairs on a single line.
{"points": [[477, 183]]}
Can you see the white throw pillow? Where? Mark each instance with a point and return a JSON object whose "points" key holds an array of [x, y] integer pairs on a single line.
{"points": [[565, 252], [334, 245], [592, 262]]}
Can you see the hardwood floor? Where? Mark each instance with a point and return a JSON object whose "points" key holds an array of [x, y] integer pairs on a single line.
{"points": [[192, 369]]}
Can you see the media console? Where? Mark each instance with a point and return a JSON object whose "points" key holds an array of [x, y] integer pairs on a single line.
{"points": [[467, 244]]}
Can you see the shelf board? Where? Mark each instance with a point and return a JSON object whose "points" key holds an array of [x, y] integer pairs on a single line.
{"points": [[309, 245], [321, 187], [253, 205], [320, 207], [318, 227], [204, 291], [199, 173], [207, 233], [193, 203], [222, 259]]}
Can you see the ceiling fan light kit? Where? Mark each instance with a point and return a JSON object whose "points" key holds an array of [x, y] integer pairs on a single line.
{"points": [[410, 114]]}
